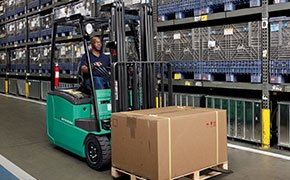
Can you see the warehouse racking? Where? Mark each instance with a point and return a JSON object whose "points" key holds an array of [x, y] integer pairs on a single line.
{"points": [[222, 48], [234, 49]]}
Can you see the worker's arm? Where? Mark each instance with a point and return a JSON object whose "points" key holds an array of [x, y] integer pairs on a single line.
{"points": [[85, 68]]}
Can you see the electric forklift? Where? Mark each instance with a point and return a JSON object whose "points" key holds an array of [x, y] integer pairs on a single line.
{"points": [[78, 119]]}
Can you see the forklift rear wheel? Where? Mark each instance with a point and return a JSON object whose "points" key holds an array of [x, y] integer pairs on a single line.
{"points": [[98, 152]]}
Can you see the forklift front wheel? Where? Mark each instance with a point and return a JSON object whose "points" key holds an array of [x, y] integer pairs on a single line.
{"points": [[98, 152]]}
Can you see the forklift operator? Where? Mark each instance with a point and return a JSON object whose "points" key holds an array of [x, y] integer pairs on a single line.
{"points": [[98, 59]]}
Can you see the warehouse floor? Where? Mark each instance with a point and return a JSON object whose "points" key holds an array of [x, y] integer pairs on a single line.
{"points": [[24, 142]]}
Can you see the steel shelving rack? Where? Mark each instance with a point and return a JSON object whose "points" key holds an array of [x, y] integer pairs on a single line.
{"points": [[27, 76], [263, 14]]}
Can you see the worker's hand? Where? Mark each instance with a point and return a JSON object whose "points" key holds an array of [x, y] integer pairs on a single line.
{"points": [[97, 64]]}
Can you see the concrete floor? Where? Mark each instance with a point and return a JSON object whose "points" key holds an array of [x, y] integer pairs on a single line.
{"points": [[23, 141]]}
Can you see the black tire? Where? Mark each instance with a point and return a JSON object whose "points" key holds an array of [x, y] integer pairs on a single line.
{"points": [[98, 152]]}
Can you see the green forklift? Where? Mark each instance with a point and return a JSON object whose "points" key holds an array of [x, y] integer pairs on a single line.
{"points": [[78, 119]]}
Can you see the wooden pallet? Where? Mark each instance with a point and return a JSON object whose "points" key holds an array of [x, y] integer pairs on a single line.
{"points": [[196, 175]]}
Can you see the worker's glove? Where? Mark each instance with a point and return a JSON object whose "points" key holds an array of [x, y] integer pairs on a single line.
{"points": [[96, 65]]}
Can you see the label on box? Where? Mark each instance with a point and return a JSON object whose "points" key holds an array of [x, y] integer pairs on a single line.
{"points": [[33, 23], [204, 18], [228, 31], [211, 44], [274, 27], [78, 53], [197, 18], [177, 36], [82, 50], [62, 51], [45, 52], [187, 83], [21, 25]]}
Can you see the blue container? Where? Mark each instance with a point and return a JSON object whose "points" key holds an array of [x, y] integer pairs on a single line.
{"points": [[19, 9], [20, 37], [33, 4], [179, 15], [10, 12], [34, 34], [255, 3], [44, 2], [279, 1], [277, 79], [46, 32], [229, 7]]}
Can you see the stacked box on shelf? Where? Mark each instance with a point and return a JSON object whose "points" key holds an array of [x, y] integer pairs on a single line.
{"points": [[176, 8], [206, 70], [83, 7], [3, 35], [3, 64], [46, 26], [20, 7], [45, 58], [78, 52], [244, 45], [18, 60], [244, 40], [244, 116], [10, 9], [279, 49], [198, 70], [179, 9], [2, 10], [62, 12], [255, 3], [65, 54], [163, 10], [178, 45], [213, 43], [189, 47], [44, 3], [279, 1], [230, 5], [196, 7], [168, 47], [20, 31], [34, 60], [34, 28], [240, 67], [11, 28], [208, 6], [33, 5]]}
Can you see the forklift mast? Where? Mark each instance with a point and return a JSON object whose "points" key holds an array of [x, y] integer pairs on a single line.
{"points": [[134, 85]]}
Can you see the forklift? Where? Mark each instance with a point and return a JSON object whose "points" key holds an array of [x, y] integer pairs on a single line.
{"points": [[78, 119]]}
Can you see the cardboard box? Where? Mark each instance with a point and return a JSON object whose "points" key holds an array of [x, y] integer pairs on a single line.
{"points": [[168, 142]]}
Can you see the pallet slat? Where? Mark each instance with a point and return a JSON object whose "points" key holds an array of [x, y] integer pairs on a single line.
{"points": [[196, 175]]}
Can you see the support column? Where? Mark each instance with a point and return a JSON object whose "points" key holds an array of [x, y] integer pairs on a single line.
{"points": [[266, 124]]}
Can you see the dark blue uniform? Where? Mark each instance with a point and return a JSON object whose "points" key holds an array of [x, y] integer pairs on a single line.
{"points": [[99, 82]]}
